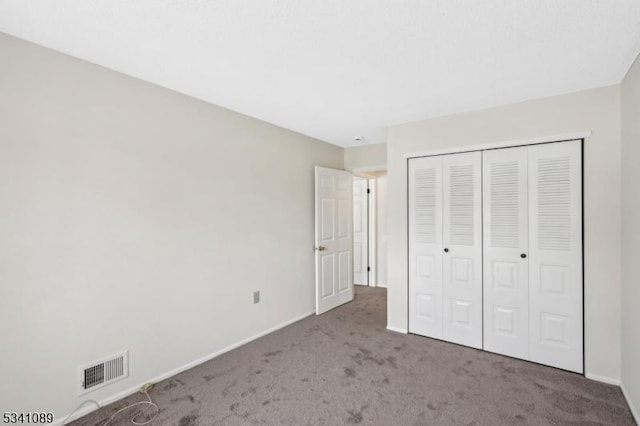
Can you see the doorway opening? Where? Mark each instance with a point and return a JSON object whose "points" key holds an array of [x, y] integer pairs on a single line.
{"points": [[370, 229]]}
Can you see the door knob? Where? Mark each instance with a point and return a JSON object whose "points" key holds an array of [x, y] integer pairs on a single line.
{"points": [[446, 250], [523, 255], [321, 248]]}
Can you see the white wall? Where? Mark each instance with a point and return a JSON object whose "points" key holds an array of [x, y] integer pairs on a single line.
{"points": [[133, 217], [382, 197], [366, 158], [597, 110], [630, 108]]}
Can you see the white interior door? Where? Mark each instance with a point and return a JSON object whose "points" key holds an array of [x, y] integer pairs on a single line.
{"points": [[555, 261], [506, 232], [425, 246], [462, 240], [360, 231], [333, 203]]}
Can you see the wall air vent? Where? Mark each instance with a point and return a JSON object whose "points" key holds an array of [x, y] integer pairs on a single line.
{"points": [[97, 374]]}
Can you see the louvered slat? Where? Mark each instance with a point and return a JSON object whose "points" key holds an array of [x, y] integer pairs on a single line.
{"points": [[114, 368], [554, 203], [94, 376], [425, 206], [504, 215], [462, 205]]}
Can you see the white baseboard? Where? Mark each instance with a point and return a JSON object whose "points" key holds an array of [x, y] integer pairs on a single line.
{"points": [[634, 410], [130, 391], [397, 329], [603, 379]]}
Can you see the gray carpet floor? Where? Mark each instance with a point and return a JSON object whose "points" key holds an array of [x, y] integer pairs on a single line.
{"points": [[344, 367]]}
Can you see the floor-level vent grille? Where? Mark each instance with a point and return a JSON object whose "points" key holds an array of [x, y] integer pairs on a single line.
{"points": [[99, 373]]}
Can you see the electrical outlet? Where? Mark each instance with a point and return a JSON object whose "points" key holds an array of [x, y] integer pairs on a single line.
{"points": [[146, 388], [256, 297]]}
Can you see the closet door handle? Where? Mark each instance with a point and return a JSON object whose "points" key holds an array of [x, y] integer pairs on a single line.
{"points": [[446, 250], [523, 255]]}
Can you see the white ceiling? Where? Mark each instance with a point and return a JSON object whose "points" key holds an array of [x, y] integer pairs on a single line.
{"points": [[334, 69]]}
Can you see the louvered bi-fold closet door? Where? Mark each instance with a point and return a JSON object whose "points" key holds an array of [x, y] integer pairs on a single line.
{"points": [[425, 246], [462, 241], [505, 240], [533, 253], [555, 261]]}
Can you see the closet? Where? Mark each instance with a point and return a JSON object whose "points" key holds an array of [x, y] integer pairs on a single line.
{"points": [[495, 251]]}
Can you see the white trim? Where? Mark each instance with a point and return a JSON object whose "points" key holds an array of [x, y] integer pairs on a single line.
{"points": [[602, 379], [397, 329], [369, 169], [503, 144], [372, 223], [366, 243], [130, 391], [634, 411]]}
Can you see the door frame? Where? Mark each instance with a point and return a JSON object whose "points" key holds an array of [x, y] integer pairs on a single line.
{"points": [[563, 137], [367, 205], [372, 224], [370, 173]]}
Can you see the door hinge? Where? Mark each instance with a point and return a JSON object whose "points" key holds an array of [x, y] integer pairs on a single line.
{"points": [[368, 268], [368, 191]]}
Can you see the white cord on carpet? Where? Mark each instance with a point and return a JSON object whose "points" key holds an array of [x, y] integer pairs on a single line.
{"points": [[79, 407], [133, 419]]}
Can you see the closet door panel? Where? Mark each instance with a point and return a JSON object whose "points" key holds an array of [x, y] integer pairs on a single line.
{"points": [[462, 239], [555, 278], [505, 240], [425, 246]]}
